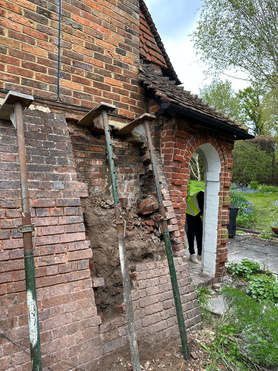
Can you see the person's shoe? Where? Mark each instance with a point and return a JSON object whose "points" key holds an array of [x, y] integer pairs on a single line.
{"points": [[193, 259], [199, 257]]}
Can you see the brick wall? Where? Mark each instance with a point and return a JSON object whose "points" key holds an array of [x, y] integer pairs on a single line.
{"points": [[154, 310], [72, 332], [178, 143], [92, 164], [99, 58], [65, 298], [99, 52]]}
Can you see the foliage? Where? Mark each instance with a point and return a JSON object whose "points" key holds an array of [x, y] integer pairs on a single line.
{"points": [[203, 299], [197, 167], [264, 200], [270, 112], [254, 185], [221, 95], [245, 269], [263, 288], [246, 213], [251, 99], [254, 106], [246, 335], [253, 327], [240, 35], [266, 235], [268, 189], [250, 163]]}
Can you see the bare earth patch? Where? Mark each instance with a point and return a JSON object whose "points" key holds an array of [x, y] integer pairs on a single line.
{"points": [[168, 356]]}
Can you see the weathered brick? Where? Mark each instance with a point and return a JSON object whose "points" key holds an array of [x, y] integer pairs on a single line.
{"points": [[80, 254]]}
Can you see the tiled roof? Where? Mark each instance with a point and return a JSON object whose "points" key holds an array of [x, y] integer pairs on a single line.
{"points": [[151, 47], [166, 91]]}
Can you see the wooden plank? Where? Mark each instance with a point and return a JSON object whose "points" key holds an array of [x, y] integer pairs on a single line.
{"points": [[88, 119], [140, 120], [11, 98]]}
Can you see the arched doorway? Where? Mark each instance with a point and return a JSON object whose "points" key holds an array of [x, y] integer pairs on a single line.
{"points": [[211, 206]]}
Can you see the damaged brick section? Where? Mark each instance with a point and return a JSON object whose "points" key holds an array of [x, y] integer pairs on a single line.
{"points": [[79, 283], [107, 51]]}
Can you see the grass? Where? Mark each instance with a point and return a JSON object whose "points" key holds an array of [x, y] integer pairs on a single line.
{"points": [[265, 214], [195, 186], [245, 337]]}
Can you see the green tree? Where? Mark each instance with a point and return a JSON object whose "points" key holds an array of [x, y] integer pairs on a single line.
{"points": [[251, 102], [251, 163], [270, 113], [255, 106], [240, 35], [221, 95]]}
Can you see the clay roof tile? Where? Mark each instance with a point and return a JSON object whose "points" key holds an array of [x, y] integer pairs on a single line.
{"points": [[168, 91]]}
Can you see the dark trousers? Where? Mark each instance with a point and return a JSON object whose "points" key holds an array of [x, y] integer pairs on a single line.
{"points": [[194, 228]]}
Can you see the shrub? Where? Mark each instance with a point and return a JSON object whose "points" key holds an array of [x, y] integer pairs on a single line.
{"points": [[251, 163], [268, 189], [246, 214], [254, 185], [245, 269], [263, 288]]}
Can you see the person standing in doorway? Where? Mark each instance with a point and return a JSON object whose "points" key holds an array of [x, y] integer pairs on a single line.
{"points": [[194, 219]]}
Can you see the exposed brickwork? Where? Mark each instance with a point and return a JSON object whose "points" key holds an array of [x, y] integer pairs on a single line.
{"points": [[65, 298], [99, 52], [92, 165], [153, 305]]}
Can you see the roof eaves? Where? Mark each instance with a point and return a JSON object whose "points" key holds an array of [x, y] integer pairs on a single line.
{"points": [[238, 132], [177, 102]]}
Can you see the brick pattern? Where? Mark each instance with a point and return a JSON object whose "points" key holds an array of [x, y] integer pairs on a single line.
{"points": [[99, 52], [178, 143], [153, 304], [92, 165], [99, 62], [67, 312]]}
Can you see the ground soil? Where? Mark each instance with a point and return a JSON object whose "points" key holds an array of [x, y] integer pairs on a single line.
{"points": [[167, 356], [141, 245]]}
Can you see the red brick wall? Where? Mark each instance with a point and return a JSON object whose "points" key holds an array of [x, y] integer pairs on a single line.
{"points": [[92, 164], [69, 324], [178, 143], [99, 52], [65, 298], [99, 62], [154, 310]]}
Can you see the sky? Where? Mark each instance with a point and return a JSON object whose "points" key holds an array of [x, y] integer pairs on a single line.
{"points": [[175, 20]]}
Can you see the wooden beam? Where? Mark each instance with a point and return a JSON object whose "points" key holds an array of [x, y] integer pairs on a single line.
{"points": [[11, 98], [95, 113], [140, 120]]}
